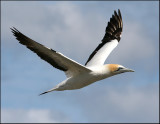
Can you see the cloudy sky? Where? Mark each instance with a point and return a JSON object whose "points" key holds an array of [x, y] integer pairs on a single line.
{"points": [[75, 29]]}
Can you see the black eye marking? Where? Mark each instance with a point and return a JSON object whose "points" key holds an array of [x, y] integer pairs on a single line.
{"points": [[119, 68]]}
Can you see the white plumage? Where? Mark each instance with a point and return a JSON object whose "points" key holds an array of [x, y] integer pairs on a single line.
{"points": [[79, 76], [100, 57]]}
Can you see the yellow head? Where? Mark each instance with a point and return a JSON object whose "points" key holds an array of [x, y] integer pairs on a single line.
{"points": [[117, 69]]}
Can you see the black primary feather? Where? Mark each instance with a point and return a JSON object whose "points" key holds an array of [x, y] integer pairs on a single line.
{"points": [[113, 31], [37, 48]]}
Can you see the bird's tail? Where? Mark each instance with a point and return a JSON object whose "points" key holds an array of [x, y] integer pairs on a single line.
{"points": [[48, 91]]}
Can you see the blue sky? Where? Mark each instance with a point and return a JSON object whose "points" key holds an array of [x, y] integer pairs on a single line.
{"points": [[75, 29]]}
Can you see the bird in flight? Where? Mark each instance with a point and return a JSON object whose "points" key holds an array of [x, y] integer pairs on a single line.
{"points": [[79, 76]]}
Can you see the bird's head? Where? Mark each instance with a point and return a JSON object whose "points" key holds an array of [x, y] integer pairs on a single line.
{"points": [[117, 69]]}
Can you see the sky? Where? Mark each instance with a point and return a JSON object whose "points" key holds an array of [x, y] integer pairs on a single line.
{"points": [[75, 29]]}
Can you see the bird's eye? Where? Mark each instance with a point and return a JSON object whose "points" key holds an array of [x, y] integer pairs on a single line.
{"points": [[119, 68]]}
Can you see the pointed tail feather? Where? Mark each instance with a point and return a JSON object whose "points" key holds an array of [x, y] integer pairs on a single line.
{"points": [[47, 91]]}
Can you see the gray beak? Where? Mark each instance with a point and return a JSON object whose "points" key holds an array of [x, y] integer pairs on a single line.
{"points": [[128, 70]]}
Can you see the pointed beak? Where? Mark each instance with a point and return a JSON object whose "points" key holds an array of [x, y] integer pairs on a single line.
{"points": [[128, 70]]}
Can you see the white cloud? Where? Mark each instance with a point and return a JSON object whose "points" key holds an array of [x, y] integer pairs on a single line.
{"points": [[61, 26], [32, 116], [120, 103], [112, 103], [64, 27], [134, 46]]}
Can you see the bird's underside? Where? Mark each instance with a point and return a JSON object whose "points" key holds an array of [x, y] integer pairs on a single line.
{"points": [[78, 75]]}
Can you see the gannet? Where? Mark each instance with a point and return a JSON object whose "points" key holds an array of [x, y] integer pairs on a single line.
{"points": [[78, 75]]}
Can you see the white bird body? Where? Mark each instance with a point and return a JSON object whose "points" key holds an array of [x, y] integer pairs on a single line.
{"points": [[83, 79], [79, 76]]}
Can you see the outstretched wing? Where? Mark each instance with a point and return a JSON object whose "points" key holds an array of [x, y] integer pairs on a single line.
{"points": [[109, 42], [56, 59]]}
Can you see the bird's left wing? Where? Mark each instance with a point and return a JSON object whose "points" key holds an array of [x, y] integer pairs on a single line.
{"points": [[56, 59], [109, 42]]}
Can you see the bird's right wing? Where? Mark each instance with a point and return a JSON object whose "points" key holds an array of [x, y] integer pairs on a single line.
{"points": [[56, 59], [109, 42]]}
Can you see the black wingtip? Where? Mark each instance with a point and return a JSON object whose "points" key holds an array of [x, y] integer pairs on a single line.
{"points": [[113, 31], [115, 13], [14, 31], [119, 13], [114, 27], [43, 93]]}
